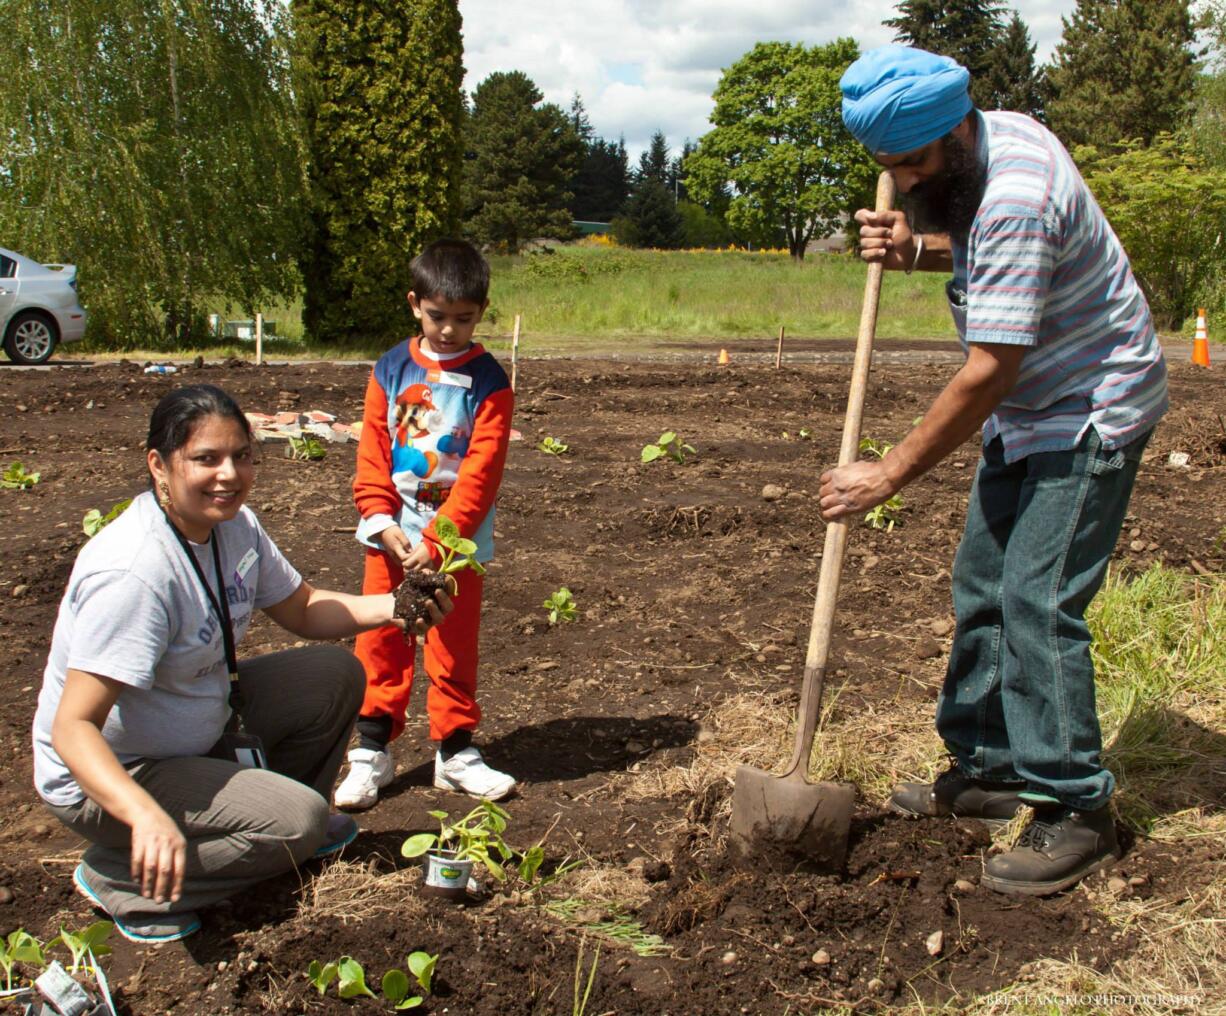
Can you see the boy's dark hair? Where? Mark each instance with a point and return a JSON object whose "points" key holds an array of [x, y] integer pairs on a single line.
{"points": [[453, 270]]}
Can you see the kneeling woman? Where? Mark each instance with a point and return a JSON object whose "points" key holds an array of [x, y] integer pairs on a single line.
{"points": [[192, 775]]}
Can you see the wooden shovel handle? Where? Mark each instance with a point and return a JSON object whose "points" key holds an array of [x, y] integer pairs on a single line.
{"points": [[836, 532]]}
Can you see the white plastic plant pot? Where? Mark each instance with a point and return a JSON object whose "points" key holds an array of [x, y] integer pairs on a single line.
{"points": [[447, 877]]}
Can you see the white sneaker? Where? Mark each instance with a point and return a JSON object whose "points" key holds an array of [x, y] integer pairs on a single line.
{"points": [[368, 771], [467, 772]]}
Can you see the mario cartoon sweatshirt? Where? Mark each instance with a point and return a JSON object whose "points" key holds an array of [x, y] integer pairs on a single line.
{"points": [[434, 439]]}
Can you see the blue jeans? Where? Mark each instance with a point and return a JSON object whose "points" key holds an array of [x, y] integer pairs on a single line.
{"points": [[1018, 701]]}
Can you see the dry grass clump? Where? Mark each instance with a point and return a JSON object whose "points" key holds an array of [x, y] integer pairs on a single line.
{"points": [[354, 891]]}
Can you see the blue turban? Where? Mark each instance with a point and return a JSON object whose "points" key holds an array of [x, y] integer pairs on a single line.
{"points": [[897, 99]]}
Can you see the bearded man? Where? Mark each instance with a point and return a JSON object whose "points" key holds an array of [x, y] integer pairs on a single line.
{"points": [[1065, 375]]}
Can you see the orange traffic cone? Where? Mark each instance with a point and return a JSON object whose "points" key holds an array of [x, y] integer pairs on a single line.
{"points": [[723, 358], [1200, 344]]}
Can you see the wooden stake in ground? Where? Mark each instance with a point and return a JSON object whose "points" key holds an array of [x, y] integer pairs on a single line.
{"points": [[259, 339], [779, 350], [514, 352]]}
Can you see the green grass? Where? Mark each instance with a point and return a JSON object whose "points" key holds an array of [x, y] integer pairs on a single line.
{"points": [[587, 299], [608, 296], [1160, 655]]}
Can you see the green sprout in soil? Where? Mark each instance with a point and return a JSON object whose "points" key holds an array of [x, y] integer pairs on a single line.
{"points": [[553, 446], [351, 979], [305, 449], [871, 446], [886, 514], [89, 941], [16, 477], [669, 445], [94, 521], [19, 947], [561, 606]]}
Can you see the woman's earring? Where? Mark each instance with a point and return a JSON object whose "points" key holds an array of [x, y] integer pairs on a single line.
{"points": [[164, 495]]}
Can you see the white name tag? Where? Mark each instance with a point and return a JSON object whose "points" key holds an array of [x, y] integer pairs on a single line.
{"points": [[445, 377], [245, 565]]}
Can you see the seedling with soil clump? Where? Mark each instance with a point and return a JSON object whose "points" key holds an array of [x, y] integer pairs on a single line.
{"points": [[417, 590]]}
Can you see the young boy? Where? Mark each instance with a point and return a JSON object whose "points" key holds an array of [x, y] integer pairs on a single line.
{"points": [[434, 439]]}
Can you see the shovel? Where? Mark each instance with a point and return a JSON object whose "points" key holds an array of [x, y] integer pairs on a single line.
{"points": [[785, 821]]}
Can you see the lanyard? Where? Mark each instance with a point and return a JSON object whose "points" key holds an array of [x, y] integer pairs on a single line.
{"points": [[222, 609]]}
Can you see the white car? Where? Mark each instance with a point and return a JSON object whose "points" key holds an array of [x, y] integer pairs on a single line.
{"points": [[38, 307]]}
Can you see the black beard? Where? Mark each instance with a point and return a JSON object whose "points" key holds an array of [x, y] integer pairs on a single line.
{"points": [[949, 201]]}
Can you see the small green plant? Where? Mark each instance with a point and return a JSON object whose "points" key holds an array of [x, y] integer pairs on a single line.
{"points": [[19, 947], [351, 979], [552, 446], [90, 940], [869, 446], [306, 448], [886, 514], [669, 445], [321, 975], [396, 982], [561, 606], [94, 521], [457, 551], [16, 477]]}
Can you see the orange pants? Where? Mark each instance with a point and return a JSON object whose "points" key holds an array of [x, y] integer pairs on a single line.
{"points": [[450, 653]]}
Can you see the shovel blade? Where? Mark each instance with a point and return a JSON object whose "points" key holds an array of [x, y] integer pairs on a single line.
{"points": [[789, 824]]}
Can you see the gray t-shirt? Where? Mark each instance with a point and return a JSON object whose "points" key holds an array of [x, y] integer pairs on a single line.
{"points": [[134, 611]]}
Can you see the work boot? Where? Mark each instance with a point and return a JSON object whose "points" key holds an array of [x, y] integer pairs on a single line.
{"points": [[956, 793], [1057, 849]]}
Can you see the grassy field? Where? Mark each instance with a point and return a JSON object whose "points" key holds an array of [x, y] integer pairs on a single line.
{"points": [[587, 298]]}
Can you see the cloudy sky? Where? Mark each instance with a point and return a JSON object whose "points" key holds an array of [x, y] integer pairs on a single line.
{"points": [[646, 64]]}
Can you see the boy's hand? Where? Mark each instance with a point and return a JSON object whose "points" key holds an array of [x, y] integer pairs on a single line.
{"points": [[420, 559], [396, 545]]}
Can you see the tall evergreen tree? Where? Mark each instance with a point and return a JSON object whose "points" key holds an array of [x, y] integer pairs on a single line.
{"points": [[1123, 71], [153, 145], [651, 218], [379, 87], [601, 183], [654, 162], [525, 154], [967, 30], [1016, 83], [676, 171]]}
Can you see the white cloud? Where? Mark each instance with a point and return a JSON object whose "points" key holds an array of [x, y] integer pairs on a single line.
{"points": [[643, 65]]}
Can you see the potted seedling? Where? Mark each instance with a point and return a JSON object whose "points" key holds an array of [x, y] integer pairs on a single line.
{"points": [[451, 853], [418, 588]]}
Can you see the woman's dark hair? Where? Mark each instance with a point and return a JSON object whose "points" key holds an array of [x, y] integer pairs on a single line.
{"points": [[176, 416]]}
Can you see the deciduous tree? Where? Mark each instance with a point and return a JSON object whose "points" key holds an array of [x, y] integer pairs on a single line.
{"points": [[779, 141], [379, 89], [152, 144]]}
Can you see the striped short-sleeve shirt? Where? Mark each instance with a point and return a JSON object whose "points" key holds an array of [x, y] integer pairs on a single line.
{"points": [[1042, 268]]}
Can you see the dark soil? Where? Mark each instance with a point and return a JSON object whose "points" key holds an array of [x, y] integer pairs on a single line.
{"points": [[415, 593], [691, 587]]}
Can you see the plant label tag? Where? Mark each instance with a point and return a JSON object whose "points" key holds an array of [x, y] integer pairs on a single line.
{"points": [[446, 377], [245, 565]]}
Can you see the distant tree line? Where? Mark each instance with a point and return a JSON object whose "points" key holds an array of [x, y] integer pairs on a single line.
{"points": [[194, 153]]}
